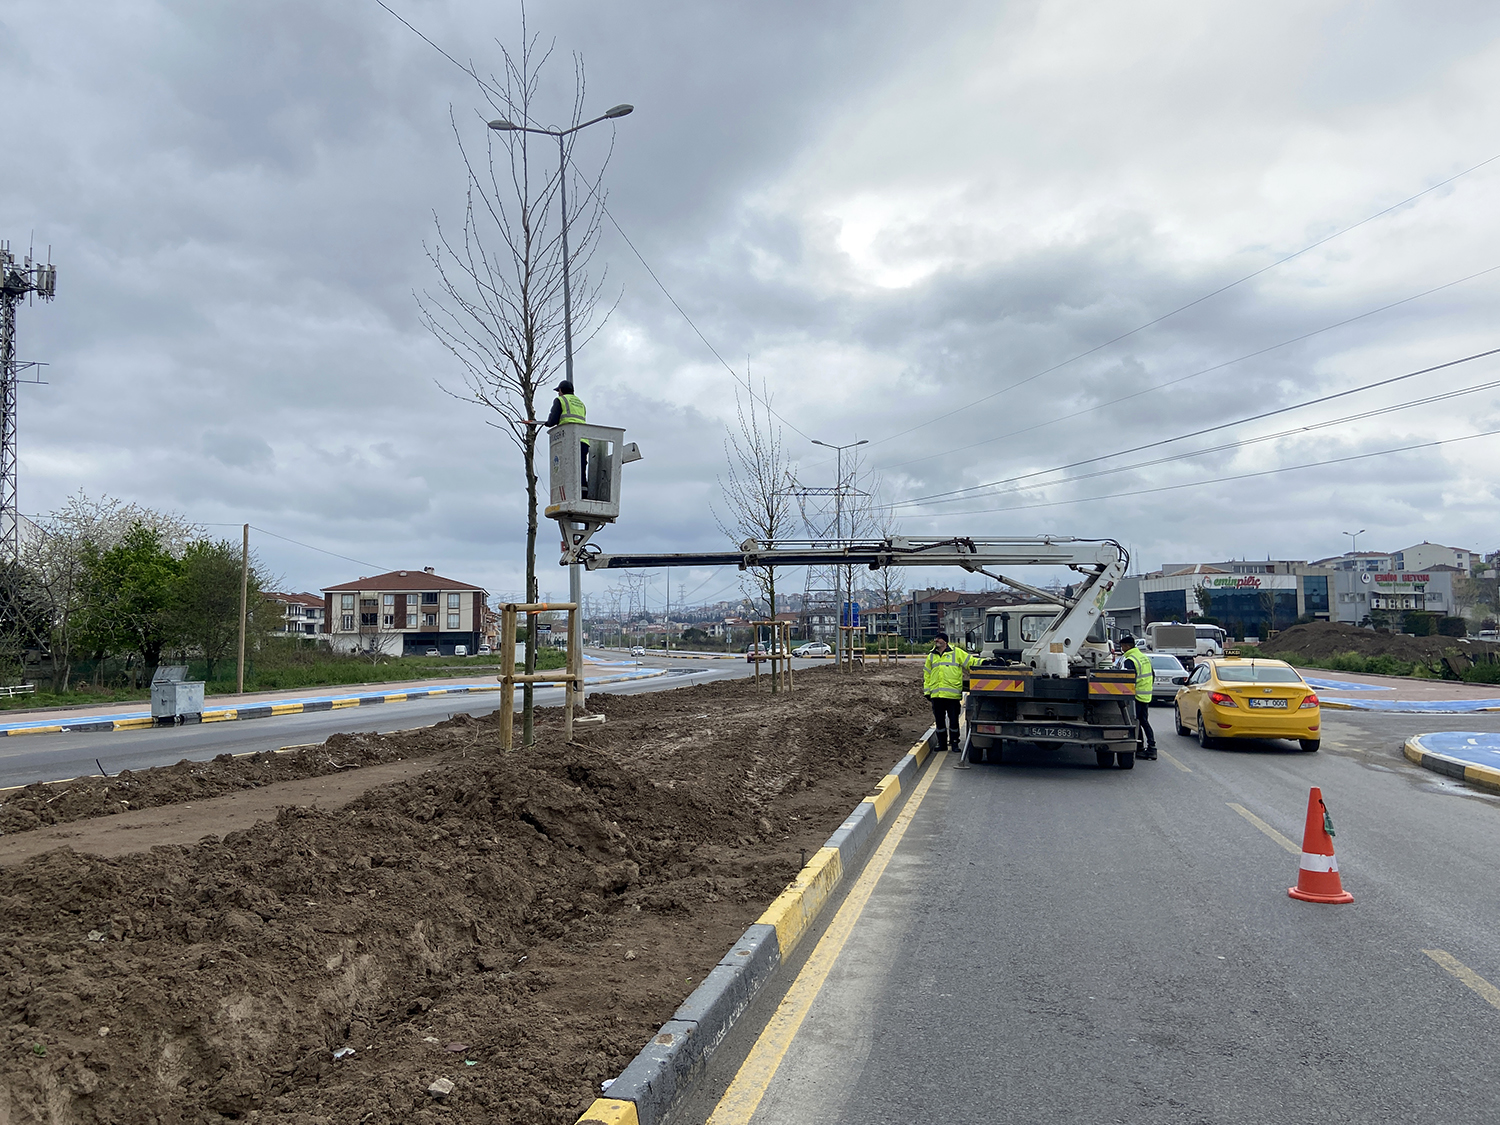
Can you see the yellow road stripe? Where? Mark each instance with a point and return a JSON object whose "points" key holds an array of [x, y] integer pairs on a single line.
{"points": [[1466, 976], [1264, 827], [743, 1097], [1175, 762]]}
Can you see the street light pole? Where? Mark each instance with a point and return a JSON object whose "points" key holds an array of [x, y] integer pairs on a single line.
{"points": [[1354, 540], [575, 577], [838, 531]]}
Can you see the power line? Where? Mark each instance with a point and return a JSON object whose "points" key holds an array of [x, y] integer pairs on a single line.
{"points": [[1202, 371], [1197, 301], [960, 493], [1229, 479], [320, 550]]}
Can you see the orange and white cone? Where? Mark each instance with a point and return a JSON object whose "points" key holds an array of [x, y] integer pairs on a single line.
{"points": [[1318, 877]]}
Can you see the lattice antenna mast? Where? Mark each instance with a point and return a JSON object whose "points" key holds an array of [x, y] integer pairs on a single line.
{"points": [[19, 278]]}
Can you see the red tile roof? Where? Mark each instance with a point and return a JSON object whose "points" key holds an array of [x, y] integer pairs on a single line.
{"points": [[402, 580], [298, 599]]}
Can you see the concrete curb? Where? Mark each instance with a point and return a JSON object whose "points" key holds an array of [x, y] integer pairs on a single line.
{"points": [[668, 1066], [290, 707], [1482, 776]]}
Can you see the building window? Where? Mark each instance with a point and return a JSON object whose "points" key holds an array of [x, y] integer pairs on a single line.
{"points": [[452, 601], [348, 622], [388, 599], [411, 620], [429, 597], [411, 599], [453, 621], [429, 620], [366, 603], [390, 621], [346, 601], [367, 620], [307, 628]]}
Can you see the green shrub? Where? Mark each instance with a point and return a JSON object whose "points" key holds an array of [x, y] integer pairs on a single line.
{"points": [[1483, 674]]}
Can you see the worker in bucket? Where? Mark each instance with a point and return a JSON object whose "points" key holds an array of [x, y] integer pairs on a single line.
{"points": [[1145, 678], [943, 685], [568, 407]]}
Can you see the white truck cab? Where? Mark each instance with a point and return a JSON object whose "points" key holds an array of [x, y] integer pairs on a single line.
{"points": [[1008, 629]]}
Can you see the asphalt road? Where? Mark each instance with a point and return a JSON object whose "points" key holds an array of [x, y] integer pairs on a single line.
{"points": [[1054, 943], [55, 757]]}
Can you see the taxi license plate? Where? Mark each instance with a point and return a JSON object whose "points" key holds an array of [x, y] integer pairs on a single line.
{"points": [[1279, 704]]}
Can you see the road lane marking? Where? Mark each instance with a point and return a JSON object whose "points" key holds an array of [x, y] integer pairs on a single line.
{"points": [[1175, 762], [740, 1101], [1264, 827], [1466, 976]]}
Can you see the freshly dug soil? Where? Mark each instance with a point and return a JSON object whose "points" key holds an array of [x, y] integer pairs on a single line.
{"points": [[1322, 639], [517, 924]]}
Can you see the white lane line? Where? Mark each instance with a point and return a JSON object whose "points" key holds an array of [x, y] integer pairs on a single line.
{"points": [[1175, 762], [1264, 827]]}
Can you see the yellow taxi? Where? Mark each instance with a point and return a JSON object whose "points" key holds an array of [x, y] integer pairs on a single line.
{"points": [[1230, 697]]}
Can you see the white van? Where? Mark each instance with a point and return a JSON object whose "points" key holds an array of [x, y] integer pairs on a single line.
{"points": [[460, 650]]}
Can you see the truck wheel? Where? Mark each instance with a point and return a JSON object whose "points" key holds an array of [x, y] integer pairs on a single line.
{"points": [[1310, 744], [976, 753], [1105, 758], [1181, 727], [1205, 740], [1126, 759]]}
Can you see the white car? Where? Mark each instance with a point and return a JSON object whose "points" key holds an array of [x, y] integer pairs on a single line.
{"points": [[484, 650], [638, 650], [813, 648]]}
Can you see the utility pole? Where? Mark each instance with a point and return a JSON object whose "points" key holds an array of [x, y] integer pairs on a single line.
{"points": [[244, 607], [18, 279]]}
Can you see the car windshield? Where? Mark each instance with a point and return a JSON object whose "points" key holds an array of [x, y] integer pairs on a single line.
{"points": [[1258, 674]]}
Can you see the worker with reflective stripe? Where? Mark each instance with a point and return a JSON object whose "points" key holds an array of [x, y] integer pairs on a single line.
{"points": [[943, 685], [568, 409], [1145, 680]]}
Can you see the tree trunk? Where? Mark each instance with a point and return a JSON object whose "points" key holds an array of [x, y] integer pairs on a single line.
{"points": [[528, 704]]}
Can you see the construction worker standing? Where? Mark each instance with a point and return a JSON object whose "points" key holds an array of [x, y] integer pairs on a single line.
{"points": [[566, 408], [943, 685], [1145, 679]]}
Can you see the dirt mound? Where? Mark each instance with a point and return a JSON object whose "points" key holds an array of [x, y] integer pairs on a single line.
{"points": [[1322, 639], [60, 802], [517, 924]]}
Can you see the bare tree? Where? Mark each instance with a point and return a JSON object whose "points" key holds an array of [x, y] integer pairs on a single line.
{"points": [[498, 305], [757, 491]]}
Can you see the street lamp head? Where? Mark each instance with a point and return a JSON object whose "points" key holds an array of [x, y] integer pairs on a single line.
{"points": [[824, 444], [503, 126], [620, 110], [863, 441]]}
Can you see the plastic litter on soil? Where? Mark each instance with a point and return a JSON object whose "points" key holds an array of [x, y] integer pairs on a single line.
{"points": [[543, 912]]}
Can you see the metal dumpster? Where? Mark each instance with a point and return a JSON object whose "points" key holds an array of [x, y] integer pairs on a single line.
{"points": [[175, 699]]}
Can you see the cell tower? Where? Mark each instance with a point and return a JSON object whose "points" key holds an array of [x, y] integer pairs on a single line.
{"points": [[18, 279]]}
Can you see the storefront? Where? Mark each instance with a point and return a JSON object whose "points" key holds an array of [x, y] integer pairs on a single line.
{"points": [[1244, 604], [1360, 598]]}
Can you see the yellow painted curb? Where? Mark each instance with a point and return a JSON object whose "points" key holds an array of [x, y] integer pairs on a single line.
{"points": [[795, 908], [610, 1111], [1335, 705], [885, 793], [36, 730]]}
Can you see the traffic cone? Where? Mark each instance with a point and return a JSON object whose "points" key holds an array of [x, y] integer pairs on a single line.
{"points": [[1318, 875]]}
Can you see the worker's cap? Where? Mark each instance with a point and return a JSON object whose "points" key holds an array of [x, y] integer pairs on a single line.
{"points": [[941, 637], [1126, 640], [566, 387]]}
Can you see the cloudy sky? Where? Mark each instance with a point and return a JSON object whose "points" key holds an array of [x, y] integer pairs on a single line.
{"points": [[917, 224]]}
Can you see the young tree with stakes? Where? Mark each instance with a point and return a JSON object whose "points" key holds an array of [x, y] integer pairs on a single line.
{"points": [[499, 305]]}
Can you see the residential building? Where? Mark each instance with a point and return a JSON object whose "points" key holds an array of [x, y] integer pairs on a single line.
{"points": [[404, 612], [1427, 556], [1357, 561], [301, 614]]}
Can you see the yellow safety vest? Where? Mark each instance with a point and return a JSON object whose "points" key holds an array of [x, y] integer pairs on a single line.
{"points": [[1145, 675], [943, 675], [572, 410]]}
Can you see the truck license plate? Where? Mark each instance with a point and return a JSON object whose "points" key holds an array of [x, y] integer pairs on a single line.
{"points": [[1048, 734], [1280, 704]]}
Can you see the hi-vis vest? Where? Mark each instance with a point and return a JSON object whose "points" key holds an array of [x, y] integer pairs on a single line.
{"points": [[1145, 675], [572, 410]]}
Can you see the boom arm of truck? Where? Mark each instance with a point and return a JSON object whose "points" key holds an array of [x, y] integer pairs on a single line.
{"points": [[1101, 562]]}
